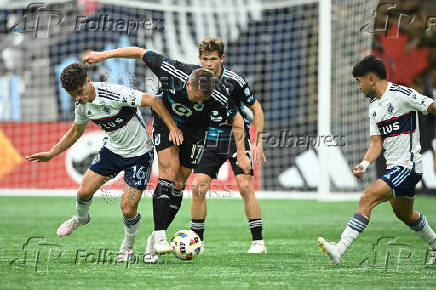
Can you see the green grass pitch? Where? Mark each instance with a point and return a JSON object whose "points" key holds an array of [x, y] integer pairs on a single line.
{"points": [[291, 229]]}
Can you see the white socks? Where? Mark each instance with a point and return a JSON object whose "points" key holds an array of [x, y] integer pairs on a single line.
{"points": [[131, 229], [347, 238], [82, 207], [355, 226], [424, 231]]}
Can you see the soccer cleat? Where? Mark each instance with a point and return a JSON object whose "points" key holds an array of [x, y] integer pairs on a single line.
{"points": [[124, 254], [70, 225], [330, 250], [150, 256], [257, 247], [432, 260], [161, 246], [202, 247]]}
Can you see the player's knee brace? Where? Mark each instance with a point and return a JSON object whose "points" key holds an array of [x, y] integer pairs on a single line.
{"points": [[164, 189]]}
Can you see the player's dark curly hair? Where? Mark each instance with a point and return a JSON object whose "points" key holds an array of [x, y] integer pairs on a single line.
{"points": [[211, 44], [73, 76], [204, 80], [370, 64]]}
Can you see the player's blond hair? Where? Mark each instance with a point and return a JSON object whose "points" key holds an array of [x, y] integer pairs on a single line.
{"points": [[211, 44]]}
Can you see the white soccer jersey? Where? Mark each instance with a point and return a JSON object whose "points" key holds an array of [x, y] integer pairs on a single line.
{"points": [[115, 111], [394, 116]]}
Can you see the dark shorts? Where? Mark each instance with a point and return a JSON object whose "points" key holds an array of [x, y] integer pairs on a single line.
{"points": [[136, 169], [191, 150], [216, 153], [402, 181]]}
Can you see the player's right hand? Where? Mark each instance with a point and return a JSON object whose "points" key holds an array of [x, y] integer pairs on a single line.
{"points": [[40, 157], [176, 136], [358, 171], [94, 57]]}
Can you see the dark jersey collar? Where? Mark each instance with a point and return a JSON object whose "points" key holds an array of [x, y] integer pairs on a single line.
{"points": [[223, 70]]}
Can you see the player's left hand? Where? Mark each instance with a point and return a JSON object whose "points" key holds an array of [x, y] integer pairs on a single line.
{"points": [[94, 57], [258, 155], [244, 163], [40, 157], [176, 136]]}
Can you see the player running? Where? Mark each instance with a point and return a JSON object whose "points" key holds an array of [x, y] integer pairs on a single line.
{"points": [[191, 94], [393, 120], [220, 147], [127, 147]]}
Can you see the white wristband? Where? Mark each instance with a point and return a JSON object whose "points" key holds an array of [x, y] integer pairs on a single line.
{"points": [[434, 145], [365, 164]]}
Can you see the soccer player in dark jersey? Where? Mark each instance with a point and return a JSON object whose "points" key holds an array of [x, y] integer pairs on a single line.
{"points": [[190, 94], [220, 146]]}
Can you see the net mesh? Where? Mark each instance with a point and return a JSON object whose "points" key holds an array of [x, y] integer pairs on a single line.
{"points": [[273, 44]]}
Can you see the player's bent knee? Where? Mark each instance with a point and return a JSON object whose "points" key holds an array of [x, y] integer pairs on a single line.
{"points": [[368, 199], [85, 192], [245, 190], [128, 211], [167, 173]]}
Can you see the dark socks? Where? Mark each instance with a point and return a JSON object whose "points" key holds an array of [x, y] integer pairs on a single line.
{"points": [[161, 203]]}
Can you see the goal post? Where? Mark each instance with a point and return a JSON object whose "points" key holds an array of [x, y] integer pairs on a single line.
{"points": [[324, 92]]}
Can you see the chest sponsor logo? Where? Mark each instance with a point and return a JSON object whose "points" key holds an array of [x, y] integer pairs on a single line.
{"points": [[181, 110], [404, 124], [118, 121]]}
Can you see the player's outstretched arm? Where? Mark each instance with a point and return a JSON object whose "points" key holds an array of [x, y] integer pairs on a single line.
{"points": [[258, 119], [239, 132], [126, 52], [176, 135], [374, 151], [72, 135]]}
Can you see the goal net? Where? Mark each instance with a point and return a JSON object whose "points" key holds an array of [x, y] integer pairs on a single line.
{"points": [[273, 44]]}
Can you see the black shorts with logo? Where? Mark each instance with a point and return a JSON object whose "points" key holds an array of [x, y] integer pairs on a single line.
{"points": [[218, 152], [191, 150]]}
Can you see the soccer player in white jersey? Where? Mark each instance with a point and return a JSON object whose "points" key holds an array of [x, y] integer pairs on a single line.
{"points": [[394, 127], [127, 147]]}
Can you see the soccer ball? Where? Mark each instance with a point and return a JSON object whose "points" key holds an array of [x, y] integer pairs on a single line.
{"points": [[186, 245]]}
